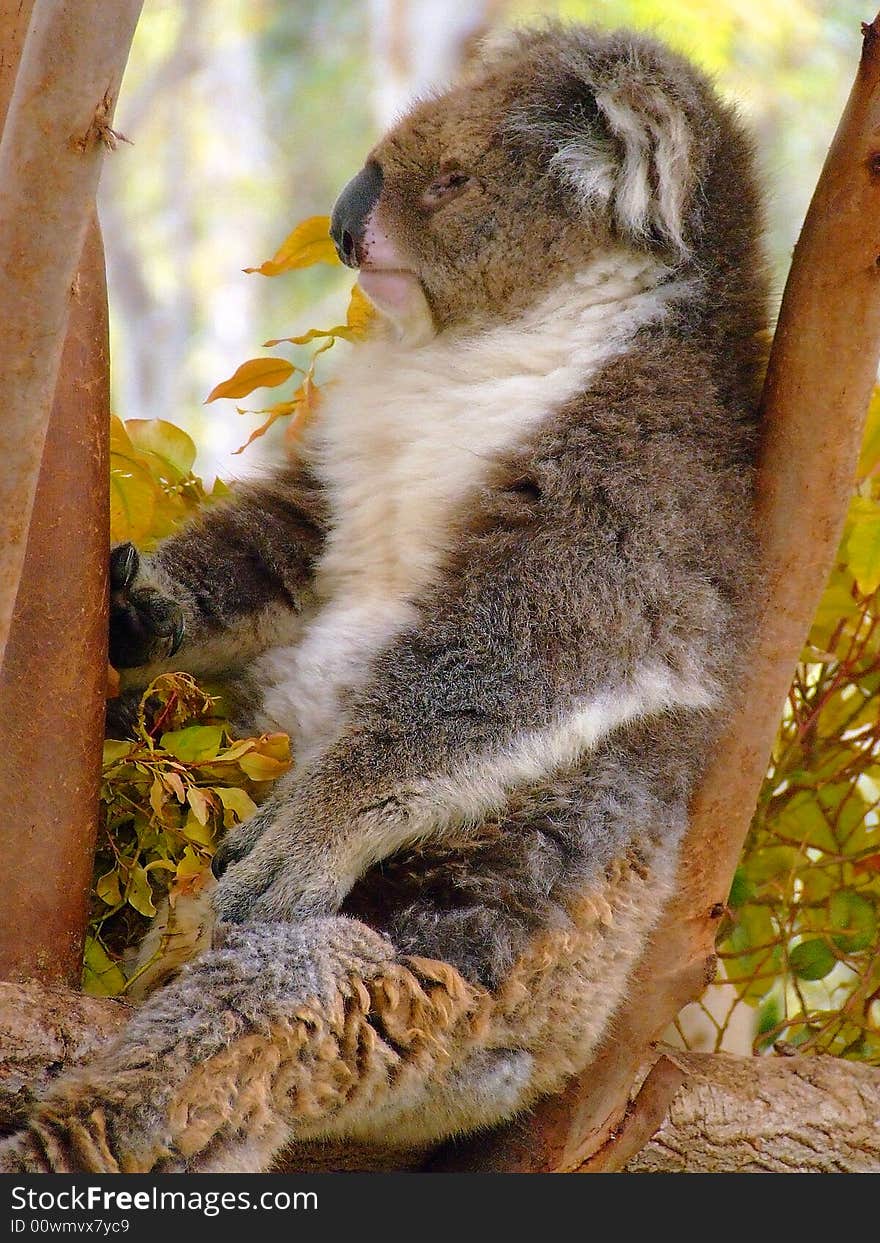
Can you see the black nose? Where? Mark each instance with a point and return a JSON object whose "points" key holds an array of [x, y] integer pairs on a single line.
{"points": [[352, 210]]}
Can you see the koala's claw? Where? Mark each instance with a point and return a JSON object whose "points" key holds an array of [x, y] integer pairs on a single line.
{"points": [[144, 625], [124, 564]]}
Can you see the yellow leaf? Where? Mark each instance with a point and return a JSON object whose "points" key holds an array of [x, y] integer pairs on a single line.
{"points": [[157, 796], [139, 894], [863, 544], [175, 785], [277, 745], [199, 803], [197, 831], [236, 804], [189, 865], [281, 411], [119, 438], [361, 313], [166, 446], [869, 457], [261, 767], [255, 373], [133, 494], [308, 244], [313, 334], [270, 760], [238, 748]]}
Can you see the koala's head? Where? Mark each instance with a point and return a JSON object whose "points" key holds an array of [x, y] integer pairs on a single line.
{"points": [[561, 143]]}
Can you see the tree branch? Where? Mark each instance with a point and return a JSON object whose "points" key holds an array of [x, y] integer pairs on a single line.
{"points": [[761, 1115]]}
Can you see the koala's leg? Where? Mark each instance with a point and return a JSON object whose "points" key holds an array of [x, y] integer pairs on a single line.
{"points": [[271, 1034], [327, 1029], [228, 585]]}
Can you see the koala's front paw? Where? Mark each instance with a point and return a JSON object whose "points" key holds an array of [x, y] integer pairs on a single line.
{"points": [[144, 625], [268, 873]]}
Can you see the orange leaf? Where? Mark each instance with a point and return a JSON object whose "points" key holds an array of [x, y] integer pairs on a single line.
{"points": [[308, 244], [275, 413], [255, 373], [312, 335], [361, 313], [870, 863]]}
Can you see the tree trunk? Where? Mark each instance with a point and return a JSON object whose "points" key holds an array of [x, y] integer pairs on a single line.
{"points": [[57, 125], [53, 679], [45, 1029]]}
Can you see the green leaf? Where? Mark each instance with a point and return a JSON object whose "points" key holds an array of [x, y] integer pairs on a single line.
{"points": [[812, 960], [772, 863], [802, 819], [741, 889], [114, 751], [107, 888], [101, 976], [856, 919], [194, 744], [139, 894]]}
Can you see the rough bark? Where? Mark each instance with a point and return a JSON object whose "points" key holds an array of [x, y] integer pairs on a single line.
{"points": [[57, 125], [822, 370], [43, 1029], [767, 1115]]}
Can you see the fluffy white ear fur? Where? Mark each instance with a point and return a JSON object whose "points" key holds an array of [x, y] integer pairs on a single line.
{"points": [[635, 159]]}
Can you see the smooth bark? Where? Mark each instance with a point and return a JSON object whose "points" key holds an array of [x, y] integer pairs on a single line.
{"points": [[53, 680], [57, 127]]}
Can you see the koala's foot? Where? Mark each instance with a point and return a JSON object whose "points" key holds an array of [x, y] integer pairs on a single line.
{"points": [[276, 1033], [144, 625], [269, 870]]}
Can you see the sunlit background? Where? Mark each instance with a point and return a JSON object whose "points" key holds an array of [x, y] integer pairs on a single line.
{"points": [[248, 115]]}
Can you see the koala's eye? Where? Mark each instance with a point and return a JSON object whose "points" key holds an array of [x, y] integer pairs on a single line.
{"points": [[445, 188]]}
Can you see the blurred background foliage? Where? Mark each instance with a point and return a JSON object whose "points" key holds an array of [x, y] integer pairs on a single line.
{"points": [[248, 118]]}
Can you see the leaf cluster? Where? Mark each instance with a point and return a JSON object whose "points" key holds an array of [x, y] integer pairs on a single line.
{"points": [[308, 244], [167, 796], [801, 942]]}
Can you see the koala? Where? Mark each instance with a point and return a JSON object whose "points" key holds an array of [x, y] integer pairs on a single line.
{"points": [[499, 602]]}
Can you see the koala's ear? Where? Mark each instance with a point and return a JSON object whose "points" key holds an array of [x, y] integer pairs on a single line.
{"points": [[625, 147]]}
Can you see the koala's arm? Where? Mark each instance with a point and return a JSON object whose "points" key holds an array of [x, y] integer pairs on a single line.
{"points": [[566, 614], [225, 587]]}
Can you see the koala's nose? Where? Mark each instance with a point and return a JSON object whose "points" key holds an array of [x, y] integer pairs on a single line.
{"points": [[351, 212]]}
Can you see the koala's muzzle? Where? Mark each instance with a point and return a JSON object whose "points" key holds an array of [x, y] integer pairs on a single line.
{"points": [[352, 209]]}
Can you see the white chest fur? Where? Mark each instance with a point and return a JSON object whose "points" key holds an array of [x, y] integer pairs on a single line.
{"points": [[405, 436]]}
